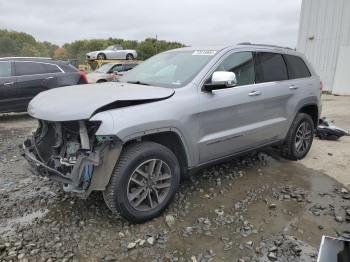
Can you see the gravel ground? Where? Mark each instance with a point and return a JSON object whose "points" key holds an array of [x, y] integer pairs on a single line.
{"points": [[255, 208]]}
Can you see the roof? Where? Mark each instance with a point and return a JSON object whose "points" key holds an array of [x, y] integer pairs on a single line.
{"points": [[34, 59], [24, 57], [264, 45], [239, 45]]}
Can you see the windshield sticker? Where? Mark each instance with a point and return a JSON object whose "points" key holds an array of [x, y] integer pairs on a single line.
{"points": [[204, 52], [178, 82]]}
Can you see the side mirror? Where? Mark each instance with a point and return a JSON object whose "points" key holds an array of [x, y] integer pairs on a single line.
{"points": [[221, 80]]}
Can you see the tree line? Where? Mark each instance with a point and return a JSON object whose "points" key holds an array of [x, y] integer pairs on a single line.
{"points": [[14, 43]]}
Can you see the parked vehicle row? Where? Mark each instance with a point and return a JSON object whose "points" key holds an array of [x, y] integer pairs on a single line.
{"points": [[177, 112], [23, 78]]}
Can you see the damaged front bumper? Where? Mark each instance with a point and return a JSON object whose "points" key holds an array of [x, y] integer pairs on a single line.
{"points": [[91, 170]]}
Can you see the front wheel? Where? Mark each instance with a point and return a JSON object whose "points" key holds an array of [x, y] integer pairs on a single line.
{"points": [[299, 138], [144, 181], [101, 56]]}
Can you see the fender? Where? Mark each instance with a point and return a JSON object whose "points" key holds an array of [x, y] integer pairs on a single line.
{"points": [[110, 129], [308, 101]]}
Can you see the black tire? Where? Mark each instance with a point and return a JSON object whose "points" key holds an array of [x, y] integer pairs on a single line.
{"points": [[132, 156], [101, 81], [289, 148], [101, 56], [129, 57]]}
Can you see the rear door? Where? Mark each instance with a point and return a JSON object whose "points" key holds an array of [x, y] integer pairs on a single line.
{"points": [[8, 93], [53, 72], [277, 93], [31, 80]]}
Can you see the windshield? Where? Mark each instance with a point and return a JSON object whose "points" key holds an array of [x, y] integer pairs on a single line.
{"points": [[169, 69], [104, 68], [110, 47]]}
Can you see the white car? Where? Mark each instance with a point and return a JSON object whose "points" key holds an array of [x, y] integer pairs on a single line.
{"points": [[109, 72], [112, 52]]}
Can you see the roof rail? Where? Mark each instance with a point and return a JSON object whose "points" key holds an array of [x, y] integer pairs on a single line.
{"points": [[266, 45], [26, 57]]}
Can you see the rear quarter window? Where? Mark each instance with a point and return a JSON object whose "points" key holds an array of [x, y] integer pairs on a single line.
{"points": [[68, 68], [270, 67], [50, 68], [296, 67]]}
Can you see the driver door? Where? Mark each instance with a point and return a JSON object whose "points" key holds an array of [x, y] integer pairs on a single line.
{"points": [[118, 52]]}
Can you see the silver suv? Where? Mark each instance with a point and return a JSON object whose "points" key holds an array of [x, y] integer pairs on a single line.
{"points": [[175, 113]]}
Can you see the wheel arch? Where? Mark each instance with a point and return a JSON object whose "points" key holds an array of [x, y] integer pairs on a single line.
{"points": [[129, 53], [102, 53], [171, 139], [311, 110]]}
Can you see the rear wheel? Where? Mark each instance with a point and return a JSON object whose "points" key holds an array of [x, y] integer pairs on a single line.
{"points": [[129, 57], [144, 182], [101, 81], [299, 138]]}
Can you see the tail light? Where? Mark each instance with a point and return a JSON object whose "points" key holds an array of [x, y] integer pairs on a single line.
{"points": [[83, 78], [321, 86]]}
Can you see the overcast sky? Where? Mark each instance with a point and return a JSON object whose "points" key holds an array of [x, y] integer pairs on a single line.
{"points": [[192, 22]]}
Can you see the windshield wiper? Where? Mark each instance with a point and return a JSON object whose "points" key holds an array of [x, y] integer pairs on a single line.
{"points": [[138, 83]]}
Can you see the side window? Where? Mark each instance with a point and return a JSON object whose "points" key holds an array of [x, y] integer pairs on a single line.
{"points": [[128, 67], [29, 68], [5, 69], [270, 67], [296, 67], [242, 65], [68, 68], [50, 68], [118, 68]]}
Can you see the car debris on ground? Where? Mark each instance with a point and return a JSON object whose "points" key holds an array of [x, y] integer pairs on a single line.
{"points": [[326, 129]]}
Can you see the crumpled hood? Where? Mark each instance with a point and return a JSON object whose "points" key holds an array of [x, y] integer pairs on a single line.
{"points": [[81, 101]]}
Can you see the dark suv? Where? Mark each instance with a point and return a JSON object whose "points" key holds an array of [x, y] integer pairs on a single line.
{"points": [[23, 78]]}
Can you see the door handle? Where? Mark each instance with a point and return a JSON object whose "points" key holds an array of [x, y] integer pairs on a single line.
{"points": [[293, 87], [8, 83], [255, 93]]}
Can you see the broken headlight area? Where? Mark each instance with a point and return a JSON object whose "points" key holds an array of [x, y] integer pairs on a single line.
{"points": [[68, 152]]}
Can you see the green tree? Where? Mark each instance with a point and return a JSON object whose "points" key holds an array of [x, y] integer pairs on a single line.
{"points": [[21, 44]]}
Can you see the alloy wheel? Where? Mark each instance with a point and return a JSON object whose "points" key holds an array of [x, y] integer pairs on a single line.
{"points": [[303, 137], [149, 185]]}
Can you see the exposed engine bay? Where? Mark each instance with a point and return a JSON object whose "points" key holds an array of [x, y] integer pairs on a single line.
{"points": [[69, 152]]}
